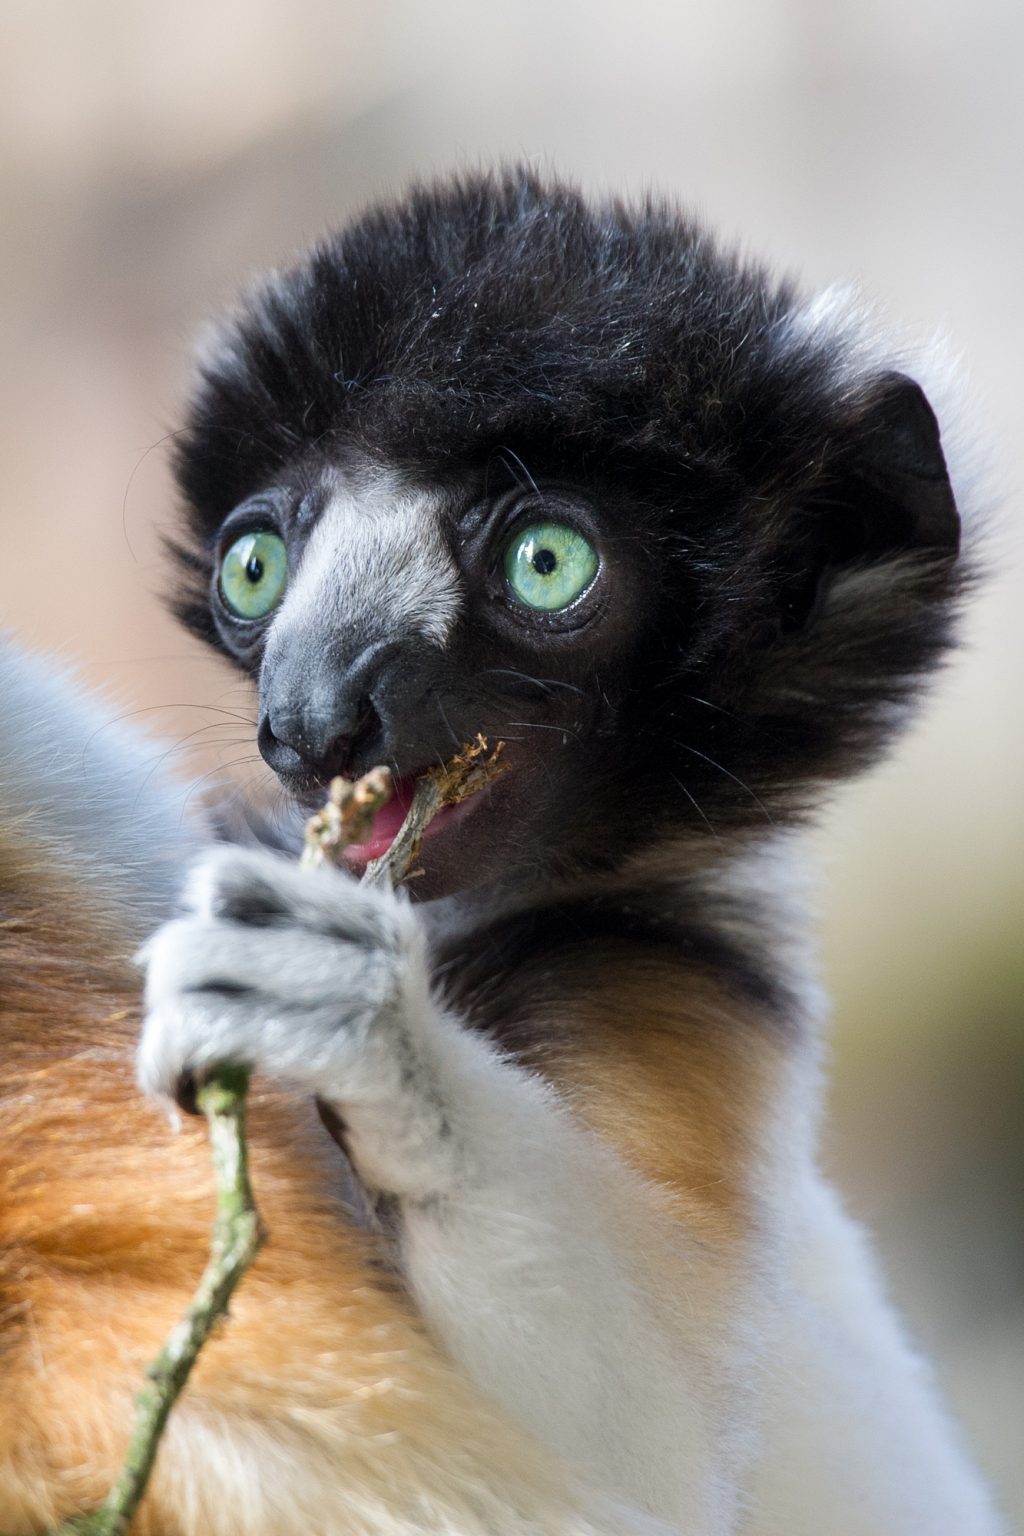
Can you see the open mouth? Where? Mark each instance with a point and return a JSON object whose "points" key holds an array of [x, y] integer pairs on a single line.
{"points": [[388, 822]]}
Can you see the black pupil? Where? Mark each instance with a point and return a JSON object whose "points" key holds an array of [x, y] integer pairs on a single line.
{"points": [[544, 562], [254, 569]]}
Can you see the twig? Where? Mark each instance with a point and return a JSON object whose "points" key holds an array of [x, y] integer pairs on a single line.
{"points": [[351, 807], [347, 817], [237, 1238], [238, 1234], [471, 770]]}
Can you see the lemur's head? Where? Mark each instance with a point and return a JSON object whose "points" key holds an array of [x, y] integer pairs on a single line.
{"points": [[493, 460]]}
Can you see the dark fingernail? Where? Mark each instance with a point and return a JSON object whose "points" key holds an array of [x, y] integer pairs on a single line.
{"points": [[186, 1093]]}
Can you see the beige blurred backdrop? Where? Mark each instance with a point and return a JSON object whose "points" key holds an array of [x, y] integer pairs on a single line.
{"points": [[154, 155]]}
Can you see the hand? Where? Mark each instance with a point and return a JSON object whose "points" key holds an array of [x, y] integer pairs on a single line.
{"points": [[305, 975]]}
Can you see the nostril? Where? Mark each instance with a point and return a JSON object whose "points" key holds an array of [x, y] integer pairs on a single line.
{"points": [[306, 753], [367, 718], [368, 731], [339, 753], [275, 753], [318, 744], [334, 759]]}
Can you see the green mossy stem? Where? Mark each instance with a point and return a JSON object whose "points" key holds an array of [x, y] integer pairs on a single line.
{"points": [[237, 1238]]}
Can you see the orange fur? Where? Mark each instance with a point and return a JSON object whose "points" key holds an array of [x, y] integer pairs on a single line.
{"points": [[663, 1059], [324, 1391], [323, 1384], [678, 1075]]}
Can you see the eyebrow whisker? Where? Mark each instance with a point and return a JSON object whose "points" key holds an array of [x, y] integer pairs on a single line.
{"points": [[513, 461]]}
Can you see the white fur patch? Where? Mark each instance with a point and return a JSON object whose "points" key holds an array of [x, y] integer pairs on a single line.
{"points": [[376, 563]]}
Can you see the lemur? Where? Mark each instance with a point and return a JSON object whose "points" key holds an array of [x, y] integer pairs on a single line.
{"points": [[494, 459]]}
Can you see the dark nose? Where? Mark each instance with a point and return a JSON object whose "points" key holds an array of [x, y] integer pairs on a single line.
{"points": [[311, 742]]}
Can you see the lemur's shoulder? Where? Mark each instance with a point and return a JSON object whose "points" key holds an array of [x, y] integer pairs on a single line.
{"points": [[88, 814], [668, 1015]]}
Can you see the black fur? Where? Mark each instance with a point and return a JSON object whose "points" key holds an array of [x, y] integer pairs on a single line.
{"points": [[744, 464]]}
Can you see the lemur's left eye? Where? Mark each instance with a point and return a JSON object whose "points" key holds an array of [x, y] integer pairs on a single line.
{"points": [[253, 574], [549, 565]]}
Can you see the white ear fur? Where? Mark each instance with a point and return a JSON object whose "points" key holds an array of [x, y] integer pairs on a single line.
{"points": [[838, 320]]}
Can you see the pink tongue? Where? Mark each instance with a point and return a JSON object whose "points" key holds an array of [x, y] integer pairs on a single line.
{"points": [[388, 821]]}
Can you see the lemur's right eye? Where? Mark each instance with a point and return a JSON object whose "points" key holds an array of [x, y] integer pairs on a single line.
{"points": [[253, 574], [549, 565]]}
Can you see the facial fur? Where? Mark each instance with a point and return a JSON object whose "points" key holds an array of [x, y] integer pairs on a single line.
{"points": [[769, 503]]}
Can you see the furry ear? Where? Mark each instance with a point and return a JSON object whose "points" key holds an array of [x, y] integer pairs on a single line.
{"points": [[862, 608], [905, 496], [886, 493]]}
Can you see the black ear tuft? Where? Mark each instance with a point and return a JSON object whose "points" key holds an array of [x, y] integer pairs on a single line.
{"points": [[866, 591], [904, 483], [885, 493]]}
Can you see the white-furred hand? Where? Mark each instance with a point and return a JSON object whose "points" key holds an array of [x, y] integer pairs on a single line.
{"points": [[308, 976]]}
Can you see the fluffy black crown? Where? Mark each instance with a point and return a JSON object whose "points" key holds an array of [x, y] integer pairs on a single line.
{"points": [[785, 481]]}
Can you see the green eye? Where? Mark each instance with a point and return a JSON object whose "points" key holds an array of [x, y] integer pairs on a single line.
{"points": [[548, 566], [253, 573]]}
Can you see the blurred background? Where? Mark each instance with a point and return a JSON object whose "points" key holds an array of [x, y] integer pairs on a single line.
{"points": [[153, 156]]}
